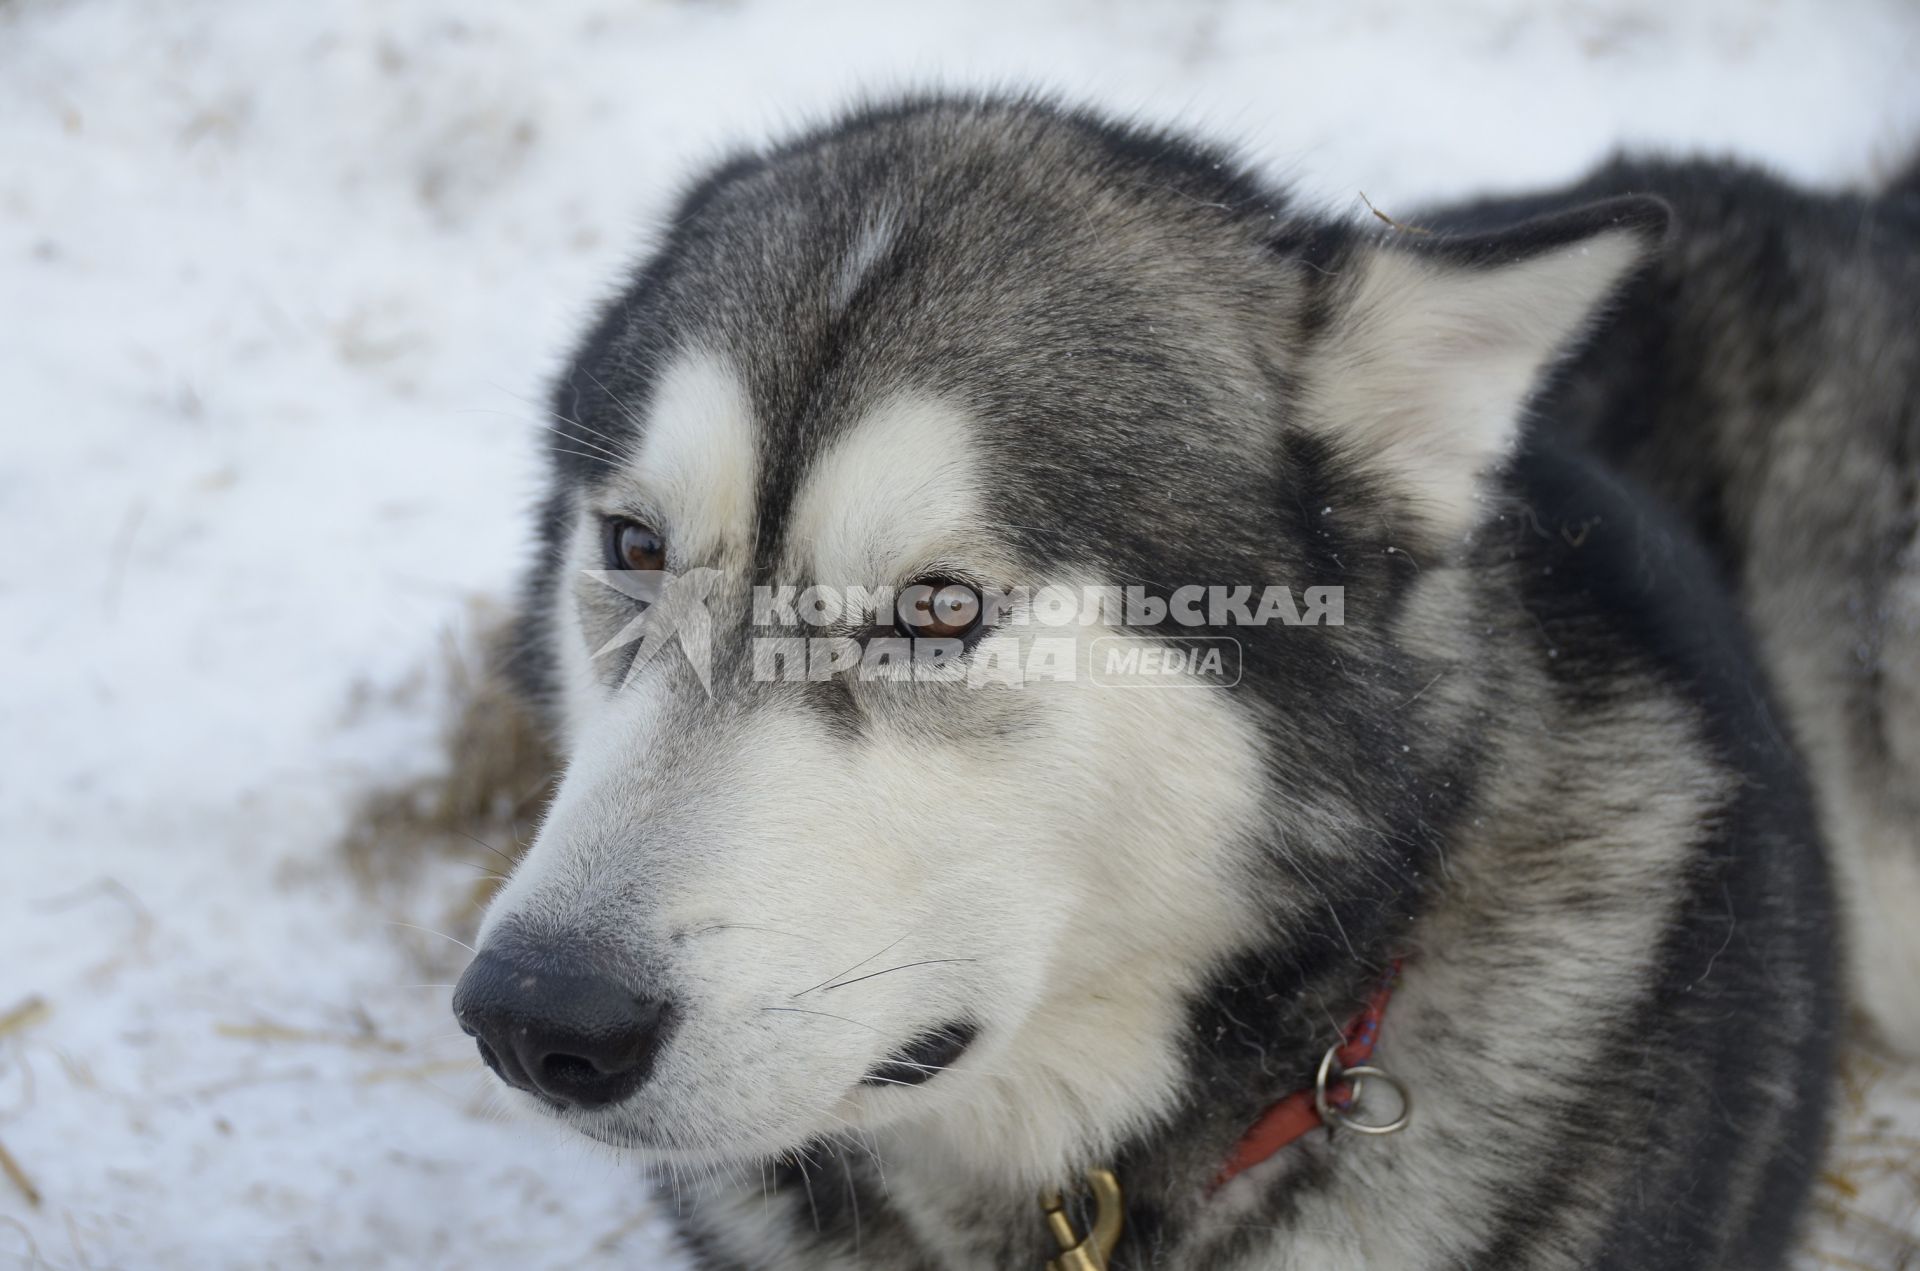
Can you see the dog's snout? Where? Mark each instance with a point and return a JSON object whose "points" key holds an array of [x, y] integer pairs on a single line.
{"points": [[574, 1035]]}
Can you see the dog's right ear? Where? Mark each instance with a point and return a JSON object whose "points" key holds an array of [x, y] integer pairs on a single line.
{"points": [[1428, 345]]}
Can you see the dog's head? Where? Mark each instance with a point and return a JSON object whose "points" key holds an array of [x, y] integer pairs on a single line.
{"points": [[903, 430]]}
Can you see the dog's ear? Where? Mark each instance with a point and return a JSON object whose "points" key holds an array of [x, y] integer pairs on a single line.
{"points": [[1429, 344]]}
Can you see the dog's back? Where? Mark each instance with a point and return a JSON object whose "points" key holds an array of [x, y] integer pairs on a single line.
{"points": [[1614, 579], [1764, 379]]}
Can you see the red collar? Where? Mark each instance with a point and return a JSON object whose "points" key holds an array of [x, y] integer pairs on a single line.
{"points": [[1299, 1112]]}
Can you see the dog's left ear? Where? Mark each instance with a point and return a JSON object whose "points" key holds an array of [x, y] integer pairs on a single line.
{"points": [[1431, 344]]}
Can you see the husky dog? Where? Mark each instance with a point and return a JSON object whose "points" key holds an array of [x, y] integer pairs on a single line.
{"points": [[1764, 379], [868, 957]]}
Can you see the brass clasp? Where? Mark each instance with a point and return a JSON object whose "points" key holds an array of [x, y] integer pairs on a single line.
{"points": [[1092, 1252]]}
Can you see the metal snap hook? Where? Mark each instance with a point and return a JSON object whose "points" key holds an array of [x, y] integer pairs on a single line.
{"points": [[1089, 1253]]}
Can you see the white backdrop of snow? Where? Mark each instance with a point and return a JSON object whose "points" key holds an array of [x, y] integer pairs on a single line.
{"points": [[281, 283]]}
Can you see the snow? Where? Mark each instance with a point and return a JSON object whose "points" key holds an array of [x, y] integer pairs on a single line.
{"points": [[281, 283]]}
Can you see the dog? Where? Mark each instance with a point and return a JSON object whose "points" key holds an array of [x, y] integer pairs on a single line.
{"points": [[1090, 741], [1763, 379]]}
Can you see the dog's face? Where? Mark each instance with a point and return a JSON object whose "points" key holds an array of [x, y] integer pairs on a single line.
{"points": [[892, 852]]}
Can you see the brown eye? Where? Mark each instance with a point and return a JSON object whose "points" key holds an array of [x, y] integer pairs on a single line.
{"points": [[938, 611], [631, 545]]}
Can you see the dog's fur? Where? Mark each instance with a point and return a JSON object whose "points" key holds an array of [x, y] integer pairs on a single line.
{"points": [[1764, 380], [1538, 762]]}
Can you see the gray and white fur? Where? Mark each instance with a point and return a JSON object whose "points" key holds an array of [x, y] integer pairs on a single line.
{"points": [[906, 952], [1764, 380]]}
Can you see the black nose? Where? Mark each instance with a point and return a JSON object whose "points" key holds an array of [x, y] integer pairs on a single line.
{"points": [[569, 1033]]}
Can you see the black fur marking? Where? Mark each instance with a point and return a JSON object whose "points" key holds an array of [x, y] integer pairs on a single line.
{"points": [[924, 1058], [1648, 218]]}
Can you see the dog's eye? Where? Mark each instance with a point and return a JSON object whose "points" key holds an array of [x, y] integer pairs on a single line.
{"points": [[937, 611], [631, 545]]}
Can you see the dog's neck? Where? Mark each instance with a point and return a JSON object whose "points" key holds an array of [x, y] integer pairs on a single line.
{"points": [[936, 1190]]}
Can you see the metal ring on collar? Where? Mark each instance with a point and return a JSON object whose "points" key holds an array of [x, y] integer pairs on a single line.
{"points": [[1333, 1116]]}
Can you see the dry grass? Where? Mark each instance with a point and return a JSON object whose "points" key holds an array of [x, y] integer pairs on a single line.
{"points": [[1402, 226], [24, 1016], [483, 805], [19, 1019], [307, 1036], [1866, 1209], [18, 1177]]}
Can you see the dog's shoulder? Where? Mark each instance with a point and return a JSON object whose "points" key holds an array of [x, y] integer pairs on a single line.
{"points": [[1613, 577]]}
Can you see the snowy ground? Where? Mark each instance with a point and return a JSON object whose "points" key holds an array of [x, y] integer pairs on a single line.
{"points": [[279, 281]]}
